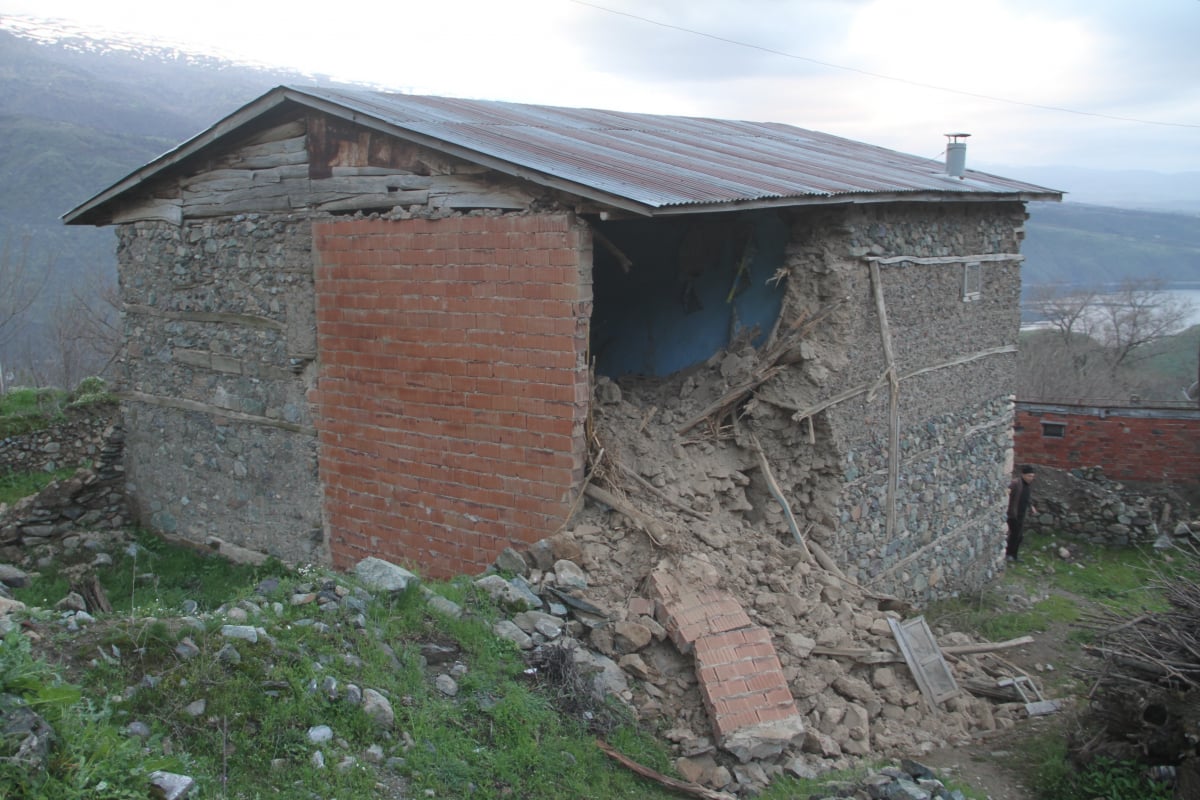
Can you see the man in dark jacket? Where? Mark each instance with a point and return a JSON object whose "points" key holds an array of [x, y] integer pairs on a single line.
{"points": [[1020, 501]]}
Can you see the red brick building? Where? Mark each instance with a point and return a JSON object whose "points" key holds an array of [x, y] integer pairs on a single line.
{"points": [[1130, 444]]}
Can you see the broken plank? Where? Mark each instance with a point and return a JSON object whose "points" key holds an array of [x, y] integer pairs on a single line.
{"points": [[863, 655], [985, 647]]}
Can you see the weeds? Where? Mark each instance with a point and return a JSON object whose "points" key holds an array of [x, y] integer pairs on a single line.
{"points": [[16, 485], [235, 715]]}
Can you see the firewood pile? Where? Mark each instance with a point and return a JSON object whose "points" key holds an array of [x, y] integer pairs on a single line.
{"points": [[1145, 696]]}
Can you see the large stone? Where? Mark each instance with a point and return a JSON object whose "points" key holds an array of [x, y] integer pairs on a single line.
{"points": [[377, 707], [13, 577], [383, 576], [821, 744], [506, 594], [569, 575], [608, 679], [764, 740], [629, 636], [507, 629], [170, 785], [511, 561], [854, 689]]}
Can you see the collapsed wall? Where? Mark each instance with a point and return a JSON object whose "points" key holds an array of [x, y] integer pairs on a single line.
{"points": [[879, 401]]}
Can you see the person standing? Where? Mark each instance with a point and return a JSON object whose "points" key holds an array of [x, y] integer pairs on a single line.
{"points": [[1020, 502]]}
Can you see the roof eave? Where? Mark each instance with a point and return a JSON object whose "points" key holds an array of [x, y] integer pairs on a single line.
{"points": [[87, 212], [855, 199], [90, 211]]}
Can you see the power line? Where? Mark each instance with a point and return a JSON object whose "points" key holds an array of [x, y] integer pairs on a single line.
{"points": [[881, 76]]}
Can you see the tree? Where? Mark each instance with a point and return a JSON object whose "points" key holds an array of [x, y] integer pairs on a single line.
{"points": [[20, 286], [1093, 345]]}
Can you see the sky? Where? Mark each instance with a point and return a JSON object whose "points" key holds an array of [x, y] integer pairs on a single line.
{"points": [[1101, 84]]}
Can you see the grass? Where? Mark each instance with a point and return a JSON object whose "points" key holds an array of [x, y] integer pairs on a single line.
{"points": [[16, 485], [501, 735], [25, 409]]}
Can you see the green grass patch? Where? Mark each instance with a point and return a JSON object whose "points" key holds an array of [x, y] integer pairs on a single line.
{"points": [[1055, 777], [1123, 580], [17, 485], [91, 757], [991, 614], [24, 409], [501, 735]]}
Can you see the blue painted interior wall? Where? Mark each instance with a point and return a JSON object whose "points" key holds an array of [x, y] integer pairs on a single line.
{"points": [[693, 285]]}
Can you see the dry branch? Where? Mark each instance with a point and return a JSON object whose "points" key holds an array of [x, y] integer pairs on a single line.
{"points": [[690, 789]]}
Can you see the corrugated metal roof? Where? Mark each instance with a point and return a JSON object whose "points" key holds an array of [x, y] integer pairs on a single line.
{"points": [[659, 160], [651, 163]]}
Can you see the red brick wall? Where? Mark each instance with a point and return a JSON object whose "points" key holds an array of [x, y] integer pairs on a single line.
{"points": [[1130, 444], [453, 386]]}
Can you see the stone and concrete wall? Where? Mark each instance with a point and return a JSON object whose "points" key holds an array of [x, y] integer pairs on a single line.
{"points": [[91, 499], [71, 443], [936, 527], [453, 388], [220, 342], [1129, 444], [1083, 503]]}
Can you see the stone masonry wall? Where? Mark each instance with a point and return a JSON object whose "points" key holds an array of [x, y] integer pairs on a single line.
{"points": [[72, 442], [453, 388], [91, 499], [955, 361], [220, 340]]}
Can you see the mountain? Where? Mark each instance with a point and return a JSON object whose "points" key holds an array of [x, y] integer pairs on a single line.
{"points": [[1092, 246], [1177, 192], [78, 113]]}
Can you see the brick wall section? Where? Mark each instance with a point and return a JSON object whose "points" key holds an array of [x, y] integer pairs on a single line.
{"points": [[453, 385], [1156, 445], [741, 679]]}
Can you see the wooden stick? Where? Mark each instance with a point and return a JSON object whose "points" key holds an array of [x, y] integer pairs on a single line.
{"points": [[686, 787], [650, 487], [625, 261], [889, 358], [643, 521], [777, 493], [944, 259], [800, 413], [729, 397], [986, 647]]}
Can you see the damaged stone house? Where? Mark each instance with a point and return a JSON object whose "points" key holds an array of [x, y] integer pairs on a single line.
{"points": [[368, 324]]}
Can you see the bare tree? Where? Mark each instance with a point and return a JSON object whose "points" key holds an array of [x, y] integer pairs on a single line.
{"points": [[85, 333], [1138, 314], [20, 286], [1092, 343]]}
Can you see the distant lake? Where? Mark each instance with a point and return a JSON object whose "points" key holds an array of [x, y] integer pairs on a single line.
{"points": [[1189, 293]]}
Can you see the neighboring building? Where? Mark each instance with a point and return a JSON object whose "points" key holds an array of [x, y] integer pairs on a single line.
{"points": [[1150, 444], [361, 323]]}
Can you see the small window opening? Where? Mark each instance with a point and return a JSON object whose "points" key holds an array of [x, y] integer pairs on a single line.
{"points": [[972, 281], [1054, 430]]}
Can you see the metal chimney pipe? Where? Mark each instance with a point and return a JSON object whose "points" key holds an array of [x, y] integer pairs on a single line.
{"points": [[956, 154]]}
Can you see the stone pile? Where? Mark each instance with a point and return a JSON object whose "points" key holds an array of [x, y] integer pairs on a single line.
{"points": [[847, 692]]}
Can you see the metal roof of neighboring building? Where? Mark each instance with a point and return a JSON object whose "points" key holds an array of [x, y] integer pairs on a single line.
{"points": [[648, 163]]}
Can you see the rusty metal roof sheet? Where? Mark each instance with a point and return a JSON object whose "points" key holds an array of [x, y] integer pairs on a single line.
{"points": [[658, 160], [651, 163]]}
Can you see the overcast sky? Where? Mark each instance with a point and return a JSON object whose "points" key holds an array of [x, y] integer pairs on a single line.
{"points": [[1112, 84]]}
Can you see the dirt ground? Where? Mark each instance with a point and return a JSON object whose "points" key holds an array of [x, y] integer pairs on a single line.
{"points": [[1000, 763]]}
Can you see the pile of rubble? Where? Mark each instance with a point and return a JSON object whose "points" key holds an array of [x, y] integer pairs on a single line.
{"points": [[752, 647]]}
